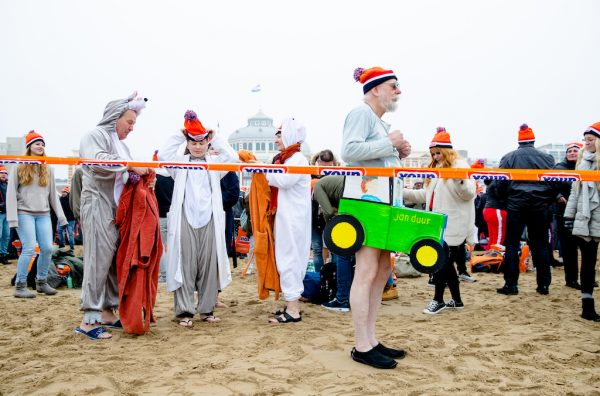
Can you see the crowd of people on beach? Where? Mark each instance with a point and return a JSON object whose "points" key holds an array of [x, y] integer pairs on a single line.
{"points": [[188, 214]]}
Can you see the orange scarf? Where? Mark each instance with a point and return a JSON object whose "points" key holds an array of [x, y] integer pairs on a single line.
{"points": [[280, 158]]}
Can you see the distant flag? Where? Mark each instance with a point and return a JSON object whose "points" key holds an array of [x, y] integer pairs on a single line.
{"points": [[256, 88]]}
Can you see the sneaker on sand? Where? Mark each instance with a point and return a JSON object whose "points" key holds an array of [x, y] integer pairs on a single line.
{"points": [[465, 277], [455, 305], [430, 282], [434, 307], [335, 305]]}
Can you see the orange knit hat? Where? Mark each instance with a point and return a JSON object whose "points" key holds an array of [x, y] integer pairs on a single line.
{"points": [[194, 128], [67, 189], [480, 163], [571, 145], [3, 169], [370, 78], [33, 137], [526, 134], [594, 129], [441, 139]]}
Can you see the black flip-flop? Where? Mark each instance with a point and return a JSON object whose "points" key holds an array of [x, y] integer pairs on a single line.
{"points": [[282, 311], [279, 311], [286, 318]]}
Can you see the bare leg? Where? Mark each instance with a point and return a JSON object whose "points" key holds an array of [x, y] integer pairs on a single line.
{"points": [[383, 273], [108, 316], [366, 271]]}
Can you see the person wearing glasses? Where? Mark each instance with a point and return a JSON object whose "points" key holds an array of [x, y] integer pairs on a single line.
{"points": [[368, 142]]}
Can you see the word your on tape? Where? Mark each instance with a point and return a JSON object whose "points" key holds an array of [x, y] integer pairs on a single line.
{"points": [[191, 166], [103, 163], [342, 172], [559, 177], [417, 174], [21, 161], [489, 176], [256, 169]]}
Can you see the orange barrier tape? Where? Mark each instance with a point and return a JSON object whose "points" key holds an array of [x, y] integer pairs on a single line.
{"points": [[422, 173]]}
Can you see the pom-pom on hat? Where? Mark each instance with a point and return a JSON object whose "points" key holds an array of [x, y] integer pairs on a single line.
{"points": [[3, 169], [33, 137], [577, 145], [594, 129], [441, 139], [193, 127], [370, 78], [526, 134]]}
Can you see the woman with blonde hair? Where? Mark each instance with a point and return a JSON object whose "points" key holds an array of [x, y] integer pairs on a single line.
{"points": [[582, 216], [455, 198], [30, 194]]}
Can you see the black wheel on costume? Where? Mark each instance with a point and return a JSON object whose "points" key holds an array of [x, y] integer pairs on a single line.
{"points": [[344, 235], [427, 256]]}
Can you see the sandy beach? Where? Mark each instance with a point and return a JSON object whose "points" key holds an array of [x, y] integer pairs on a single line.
{"points": [[522, 345]]}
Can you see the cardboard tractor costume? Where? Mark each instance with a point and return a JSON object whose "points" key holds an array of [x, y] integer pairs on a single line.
{"points": [[371, 213]]}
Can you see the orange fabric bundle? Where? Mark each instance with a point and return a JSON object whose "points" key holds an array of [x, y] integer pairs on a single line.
{"points": [[262, 230], [138, 255]]}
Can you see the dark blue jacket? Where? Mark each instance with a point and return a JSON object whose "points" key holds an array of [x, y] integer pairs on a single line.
{"points": [[526, 195]]}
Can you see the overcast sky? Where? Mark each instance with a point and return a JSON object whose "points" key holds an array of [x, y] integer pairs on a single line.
{"points": [[479, 68]]}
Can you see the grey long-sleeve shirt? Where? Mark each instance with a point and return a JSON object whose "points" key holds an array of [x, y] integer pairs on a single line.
{"points": [[365, 141], [31, 199]]}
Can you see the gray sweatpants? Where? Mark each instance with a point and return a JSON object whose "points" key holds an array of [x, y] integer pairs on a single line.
{"points": [[162, 269], [199, 269], [100, 289]]}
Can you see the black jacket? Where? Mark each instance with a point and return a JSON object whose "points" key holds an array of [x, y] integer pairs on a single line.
{"points": [[230, 190], [492, 200], [164, 193], [526, 195], [66, 207], [563, 188]]}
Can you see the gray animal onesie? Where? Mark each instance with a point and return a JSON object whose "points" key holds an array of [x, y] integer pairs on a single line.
{"points": [[98, 208]]}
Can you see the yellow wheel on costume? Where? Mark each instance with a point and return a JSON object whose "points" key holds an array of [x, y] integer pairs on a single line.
{"points": [[427, 256], [344, 235]]}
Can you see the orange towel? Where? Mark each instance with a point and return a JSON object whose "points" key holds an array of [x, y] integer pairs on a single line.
{"points": [[138, 255], [262, 230]]}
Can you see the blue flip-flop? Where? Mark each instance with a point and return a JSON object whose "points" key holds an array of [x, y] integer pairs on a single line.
{"points": [[115, 325], [93, 334]]}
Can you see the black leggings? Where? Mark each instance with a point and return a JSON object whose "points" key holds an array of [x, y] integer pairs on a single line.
{"points": [[447, 276], [589, 251]]}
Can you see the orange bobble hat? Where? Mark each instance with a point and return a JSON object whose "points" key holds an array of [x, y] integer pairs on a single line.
{"points": [[67, 189], [193, 127], [370, 78], [3, 169], [33, 137], [594, 129], [526, 134], [441, 139], [577, 145], [479, 164]]}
